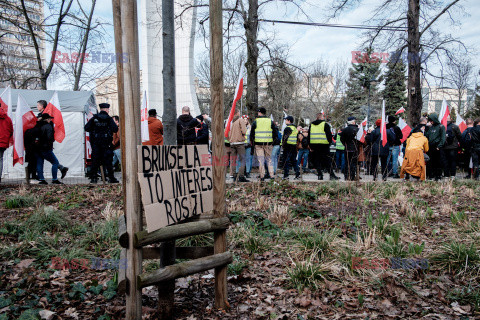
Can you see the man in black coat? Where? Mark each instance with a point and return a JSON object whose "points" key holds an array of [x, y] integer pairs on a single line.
{"points": [[186, 127], [475, 136], [101, 128], [348, 137], [202, 132], [466, 144], [394, 145]]}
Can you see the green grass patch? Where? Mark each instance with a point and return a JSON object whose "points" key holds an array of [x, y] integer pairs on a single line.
{"points": [[20, 201]]}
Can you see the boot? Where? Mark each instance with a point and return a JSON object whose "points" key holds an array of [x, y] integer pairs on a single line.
{"points": [[243, 179], [297, 175], [333, 176], [320, 177]]}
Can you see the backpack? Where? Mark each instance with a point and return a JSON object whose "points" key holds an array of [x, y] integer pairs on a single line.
{"points": [[450, 135], [467, 139], [391, 136]]}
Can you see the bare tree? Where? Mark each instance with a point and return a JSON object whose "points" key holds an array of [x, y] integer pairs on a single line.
{"points": [[459, 76]]}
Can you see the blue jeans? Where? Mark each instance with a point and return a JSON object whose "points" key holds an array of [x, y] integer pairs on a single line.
{"points": [[340, 159], [393, 156], [50, 157], [275, 155], [303, 153], [248, 160], [117, 157]]}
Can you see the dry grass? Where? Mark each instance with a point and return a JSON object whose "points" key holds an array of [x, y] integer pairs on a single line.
{"points": [[279, 214], [109, 212]]}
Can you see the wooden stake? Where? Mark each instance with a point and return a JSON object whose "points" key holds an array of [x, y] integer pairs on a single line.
{"points": [[216, 86], [102, 173], [131, 126]]}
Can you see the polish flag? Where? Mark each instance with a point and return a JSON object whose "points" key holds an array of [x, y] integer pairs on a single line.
{"points": [[24, 119], [383, 126], [444, 113], [54, 110], [362, 131], [6, 105], [284, 124], [238, 96], [405, 129], [144, 119], [401, 110], [323, 112], [462, 125]]}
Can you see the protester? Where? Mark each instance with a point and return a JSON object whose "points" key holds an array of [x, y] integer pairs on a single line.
{"points": [[414, 160], [394, 142], [248, 148], [45, 139], [186, 127], [378, 152], [237, 144], [41, 105], [262, 135], [452, 139], [339, 153], [202, 131], [6, 134], [117, 152], [466, 144], [228, 156], [436, 140], [348, 136], [303, 151], [101, 128], [319, 140], [289, 144], [276, 151], [475, 133], [155, 129]]}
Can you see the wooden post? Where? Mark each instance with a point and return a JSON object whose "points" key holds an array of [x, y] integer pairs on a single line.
{"points": [[166, 289], [102, 173], [216, 87], [117, 23], [131, 126]]}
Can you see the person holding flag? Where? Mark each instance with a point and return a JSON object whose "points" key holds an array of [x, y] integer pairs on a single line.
{"points": [[262, 135], [290, 138], [348, 137], [452, 140], [378, 151], [236, 136], [436, 140], [6, 134], [394, 135], [319, 139]]}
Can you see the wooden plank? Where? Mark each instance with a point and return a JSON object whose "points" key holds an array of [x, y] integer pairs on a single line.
{"points": [[178, 231], [216, 86], [122, 273], [180, 252], [122, 232], [184, 269]]}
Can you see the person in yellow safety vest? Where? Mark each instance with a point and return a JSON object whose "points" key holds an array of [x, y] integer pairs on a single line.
{"points": [[290, 136], [320, 137], [262, 135], [339, 152]]}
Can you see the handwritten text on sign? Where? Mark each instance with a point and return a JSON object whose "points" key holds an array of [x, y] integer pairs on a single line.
{"points": [[175, 183]]}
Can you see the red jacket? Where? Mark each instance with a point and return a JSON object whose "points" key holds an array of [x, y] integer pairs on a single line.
{"points": [[6, 129], [155, 132]]}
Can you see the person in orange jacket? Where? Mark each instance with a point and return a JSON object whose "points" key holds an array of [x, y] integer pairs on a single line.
{"points": [[155, 129]]}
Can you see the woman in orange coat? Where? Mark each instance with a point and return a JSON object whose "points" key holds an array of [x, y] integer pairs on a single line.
{"points": [[414, 161], [155, 129]]}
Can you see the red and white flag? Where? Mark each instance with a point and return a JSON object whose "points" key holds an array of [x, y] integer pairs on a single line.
{"points": [[444, 113], [6, 105], [24, 119], [144, 119], [238, 96], [401, 110], [54, 110], [462, 125], [405, 129], [383, 126], [323, 112], [362, 131]]}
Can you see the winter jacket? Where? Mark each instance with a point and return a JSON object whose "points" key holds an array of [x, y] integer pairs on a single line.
{"points": [[398, 133], [435, 133], [475, 132], [274, 134], [375, 138], [452, 142], [417, 141], [466, 141], [45, 136], [186, 129], [328, 130], [348, 137], [237, 131], [101, 128], [6, 129], [155, 131], [202, 134]]}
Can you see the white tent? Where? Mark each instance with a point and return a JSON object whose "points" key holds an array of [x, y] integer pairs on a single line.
{"points": [[75, 105]]}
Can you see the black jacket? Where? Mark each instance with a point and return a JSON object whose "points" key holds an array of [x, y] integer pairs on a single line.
{"points": [[452, 142], [398, 133], [274, 134], [101, 128], [186, 129], [375, 138], [202, 134], [328, 131], [348, 137], [44, 136], [475, 132]]}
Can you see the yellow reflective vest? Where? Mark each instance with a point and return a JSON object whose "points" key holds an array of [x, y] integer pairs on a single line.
{"points": [[339, 145], [247, 135], [317, 134], [263, 131], [292, 138]]}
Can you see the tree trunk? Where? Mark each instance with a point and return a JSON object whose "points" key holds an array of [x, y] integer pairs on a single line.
{"points": [[251, 33], [414, 63]]}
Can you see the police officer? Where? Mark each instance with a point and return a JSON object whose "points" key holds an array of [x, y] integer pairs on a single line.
{"points": [[290, 136], [262, 135], [320, 138], [101, 128]]}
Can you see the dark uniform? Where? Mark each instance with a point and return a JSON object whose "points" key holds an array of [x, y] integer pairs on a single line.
{"points": [[348, 137], [101, 128], [290, 134]]}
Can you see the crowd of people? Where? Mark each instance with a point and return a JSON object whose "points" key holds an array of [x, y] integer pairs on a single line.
{"points": [[431, 149]]}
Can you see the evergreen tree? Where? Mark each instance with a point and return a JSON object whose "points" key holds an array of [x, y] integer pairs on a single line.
{"points": [[474, 111], [395, 87], [360, 81]]}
